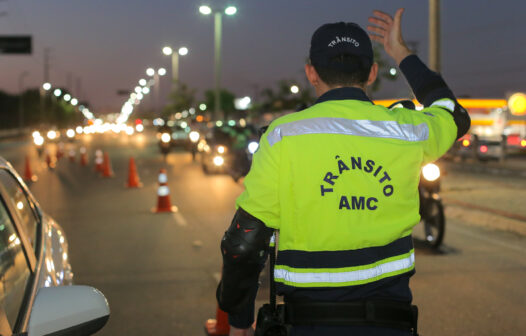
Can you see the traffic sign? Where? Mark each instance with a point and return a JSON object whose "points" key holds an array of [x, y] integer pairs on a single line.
{"points": [[15, 44]]}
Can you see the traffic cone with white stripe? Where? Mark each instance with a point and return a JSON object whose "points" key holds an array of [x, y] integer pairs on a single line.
{"points": [[98, 161], [163, 195], [71, 155], [60, 150], [83, 156]]}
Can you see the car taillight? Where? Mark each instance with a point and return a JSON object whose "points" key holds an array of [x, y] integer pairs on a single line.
{"points": [[483, 149], [513, 140]]}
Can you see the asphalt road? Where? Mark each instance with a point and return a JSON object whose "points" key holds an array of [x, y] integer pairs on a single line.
{"points": [[159, 271]]}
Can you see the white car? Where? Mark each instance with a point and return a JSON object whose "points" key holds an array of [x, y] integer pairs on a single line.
{"points": [[36, 296]]}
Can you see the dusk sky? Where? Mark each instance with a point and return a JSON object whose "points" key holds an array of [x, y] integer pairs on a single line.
{"points": [[108, 44]]}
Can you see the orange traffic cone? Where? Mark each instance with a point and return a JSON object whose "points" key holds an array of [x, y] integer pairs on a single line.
{"points": [[71, 155], [98, 161], [218, 326], [83, 156], [28, 174], [163, 195], [133, 177], [106, 166]]}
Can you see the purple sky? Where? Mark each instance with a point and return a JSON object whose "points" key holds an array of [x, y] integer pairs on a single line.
{"points": [[110, 43]]}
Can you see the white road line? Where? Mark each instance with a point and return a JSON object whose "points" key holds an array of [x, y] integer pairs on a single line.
{"points": [[179, 219], [507, 245]]}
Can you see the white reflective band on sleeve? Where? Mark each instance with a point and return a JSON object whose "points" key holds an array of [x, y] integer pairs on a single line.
{"points": [[163, 191], [343, 277], [163, 178], [448, 104], [273, 239], [367, 128]]}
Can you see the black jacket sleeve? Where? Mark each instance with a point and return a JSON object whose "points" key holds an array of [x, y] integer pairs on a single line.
{"points": [[428, 87]]}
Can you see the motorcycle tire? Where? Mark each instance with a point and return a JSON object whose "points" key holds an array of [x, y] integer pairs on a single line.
{"points": [[434, 222]]}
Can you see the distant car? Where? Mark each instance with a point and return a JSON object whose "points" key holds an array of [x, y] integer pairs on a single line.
{"points": [[228, 149], [33, 259]]}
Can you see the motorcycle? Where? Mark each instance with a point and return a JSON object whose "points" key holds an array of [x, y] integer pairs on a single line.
{"points": [[242, 161], [165, 144], [431, 207]]}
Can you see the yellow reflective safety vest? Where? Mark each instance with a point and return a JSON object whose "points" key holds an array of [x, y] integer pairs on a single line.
{"points": [[339, 181]]}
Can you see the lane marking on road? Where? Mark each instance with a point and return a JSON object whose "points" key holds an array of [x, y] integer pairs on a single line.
{"points": [[179, 219], [494, 241], [486, 209]]}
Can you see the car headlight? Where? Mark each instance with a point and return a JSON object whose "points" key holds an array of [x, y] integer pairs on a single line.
{"points": [[70, 133], [51, 135], [221, 149], [431, 172], [253, 147], [218, 161], [194, 136], [39, 141], [165, 137]]}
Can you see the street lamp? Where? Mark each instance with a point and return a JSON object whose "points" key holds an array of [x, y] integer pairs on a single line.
{"points": [[207, 10], [57, 92], [46, 86], [142, 82], [157, 82], [168, 51], [294, 89]]}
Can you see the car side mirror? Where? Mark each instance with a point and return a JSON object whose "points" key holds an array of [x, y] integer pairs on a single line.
{"points": [[68, 310]]}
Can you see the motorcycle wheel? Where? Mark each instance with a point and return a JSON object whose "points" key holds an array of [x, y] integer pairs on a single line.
{"points": [[434, 223]]}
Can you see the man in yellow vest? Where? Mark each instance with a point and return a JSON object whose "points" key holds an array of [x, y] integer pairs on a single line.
{"points": [[339, 182]]}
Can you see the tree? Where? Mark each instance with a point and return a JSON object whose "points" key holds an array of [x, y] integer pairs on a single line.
{"points": [[227, 101], [282, 99], [182, 98]]}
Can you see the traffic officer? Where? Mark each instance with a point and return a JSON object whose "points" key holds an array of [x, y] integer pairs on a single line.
{"points": [[339, 182]]}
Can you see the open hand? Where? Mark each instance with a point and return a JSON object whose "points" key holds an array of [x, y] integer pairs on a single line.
{"points": [[387, 30]]}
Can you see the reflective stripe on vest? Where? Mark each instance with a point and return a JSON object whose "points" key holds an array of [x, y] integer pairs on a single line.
{"points": [[344, 268], [367, 128]]}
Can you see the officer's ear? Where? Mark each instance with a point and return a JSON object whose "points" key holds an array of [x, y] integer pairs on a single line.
{"points": [[372, 74], [312, 74]]}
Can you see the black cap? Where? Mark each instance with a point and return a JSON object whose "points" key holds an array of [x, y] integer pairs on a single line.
{"points": [[342, 38]]}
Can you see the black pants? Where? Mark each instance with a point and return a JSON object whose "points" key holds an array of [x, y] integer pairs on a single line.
{"points": [[345, 331]]}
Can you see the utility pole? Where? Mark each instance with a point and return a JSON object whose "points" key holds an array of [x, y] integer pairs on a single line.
{"points": [[78, 88], [434, 35], [43, 93], [21, 100], [217, 67]]}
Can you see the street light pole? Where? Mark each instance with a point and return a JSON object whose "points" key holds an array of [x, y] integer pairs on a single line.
{"points": [[434, 35], [21, 100], [217, 65], [206, 10]]}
